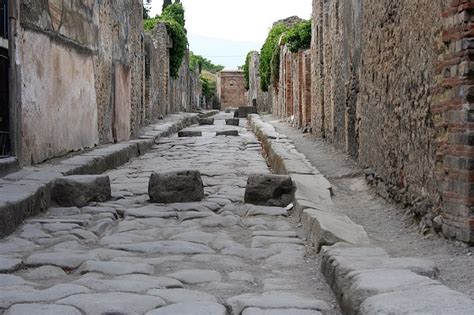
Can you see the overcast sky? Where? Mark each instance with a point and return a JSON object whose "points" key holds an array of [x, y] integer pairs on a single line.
{"points": [[225, 30]]}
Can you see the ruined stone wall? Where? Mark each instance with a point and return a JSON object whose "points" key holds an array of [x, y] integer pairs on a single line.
{"points": [[378, 93], [293, 90], [55, 44], [120, 52], [185, 89], [231, 89], [256, 95]]}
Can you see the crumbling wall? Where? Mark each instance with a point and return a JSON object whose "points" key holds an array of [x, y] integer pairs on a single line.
{"points": [[257, 97], [120, 45]]}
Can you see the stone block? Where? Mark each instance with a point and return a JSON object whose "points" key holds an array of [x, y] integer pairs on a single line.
{"points": [[243, 112], [327, 228], [206, 121], [232, 122], [232, 133], [174, 187], [269, 190], [80, 190], [189, 133]]}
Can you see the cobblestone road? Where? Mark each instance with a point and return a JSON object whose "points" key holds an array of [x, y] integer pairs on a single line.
{"points": [[128, 256]]}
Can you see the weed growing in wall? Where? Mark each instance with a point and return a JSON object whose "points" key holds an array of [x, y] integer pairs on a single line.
{"points": [[267, 52], [298, 37], [173, 18]]}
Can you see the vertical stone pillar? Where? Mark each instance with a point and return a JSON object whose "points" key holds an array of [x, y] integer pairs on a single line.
{"points": [[453, 114]]}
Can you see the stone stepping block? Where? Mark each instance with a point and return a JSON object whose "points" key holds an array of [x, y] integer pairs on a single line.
{"points": [[80, 190], [206, 121], [232, 133], [269, 190], [207, 308], [243, 112], [189, 133], [232, 122], [176, 187]]}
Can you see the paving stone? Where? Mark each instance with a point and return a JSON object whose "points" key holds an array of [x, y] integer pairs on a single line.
{"points": [[12, 280], [124, 238], [278, 284], [151, 212], [56, 227], [45, 273], [195, 237], [9, 297], [262, 241], [241, 276], [286, 258], [172, 187], [9, 264], [165, 247], [196, 276], [63, 211], [113, 303], [182, 295], [191, 309], [275, 300], [79, 190], [275, 233], [434, 299], [269, 190], [284, 311], [42, 309], [59, 259], [219, 221], [115, 268], [131, 286], [232, 133]]}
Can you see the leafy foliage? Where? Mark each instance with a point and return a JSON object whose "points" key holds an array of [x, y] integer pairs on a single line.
{"points": [[209, 87], [173, 17], [166, 3], [268, 52], [199, 62], [246, 69], [298, 37]]}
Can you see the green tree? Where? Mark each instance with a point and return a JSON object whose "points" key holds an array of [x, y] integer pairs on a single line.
{"points": [[166, 3], [199, 62]]}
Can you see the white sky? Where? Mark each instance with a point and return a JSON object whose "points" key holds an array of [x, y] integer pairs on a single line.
{"points": [[242, 23]]}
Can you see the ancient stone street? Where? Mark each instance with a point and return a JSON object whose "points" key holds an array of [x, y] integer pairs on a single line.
{"points": [[129, 256]]}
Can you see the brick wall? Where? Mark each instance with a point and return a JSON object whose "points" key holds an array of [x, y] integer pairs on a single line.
{"points": [[231, 89], [454, 121]]}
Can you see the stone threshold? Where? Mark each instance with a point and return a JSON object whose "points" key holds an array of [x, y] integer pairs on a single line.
{"points": [[364, 278], [27, 192]]}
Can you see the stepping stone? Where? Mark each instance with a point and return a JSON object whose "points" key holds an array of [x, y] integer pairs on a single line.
{"points": [[189, 133], [115, 268], [42, 309], [232, 122], [206, 121], [243, 112], [195, 276], [191, 309], [174, 187], [182, 295], [269, 190], [232, 133], [113, 303], [78, 191]]}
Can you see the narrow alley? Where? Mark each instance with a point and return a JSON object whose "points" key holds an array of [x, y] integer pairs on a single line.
{"points": [[186, 258]]}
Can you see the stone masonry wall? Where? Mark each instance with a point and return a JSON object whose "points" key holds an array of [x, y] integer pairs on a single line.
{"points": [[256, 96], [390, 92]]}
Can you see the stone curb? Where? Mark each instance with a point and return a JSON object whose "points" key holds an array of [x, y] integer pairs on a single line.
{"points": [[313, 204], [26, 193], [366, 280]]}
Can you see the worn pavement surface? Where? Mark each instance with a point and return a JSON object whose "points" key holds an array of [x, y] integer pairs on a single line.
{"points": [[128, 256]]}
